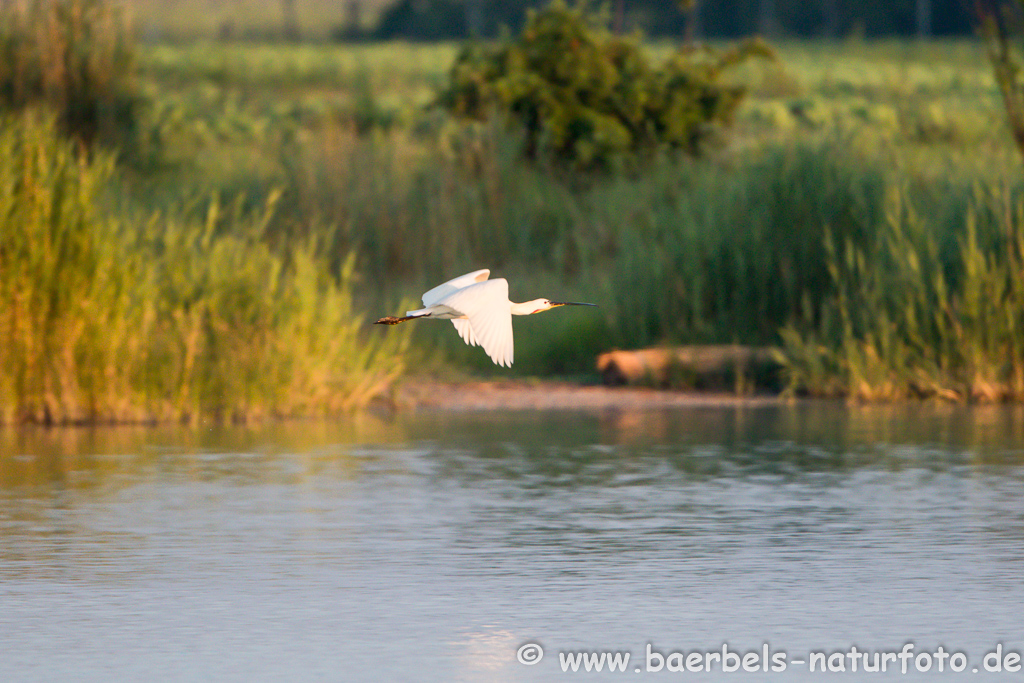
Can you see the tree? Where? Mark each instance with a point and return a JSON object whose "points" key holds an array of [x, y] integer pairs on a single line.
{"points": [[691, 9], [830, 9], [923, 15], [443, 19], [291, 20], [767, 20], [475, 17]]}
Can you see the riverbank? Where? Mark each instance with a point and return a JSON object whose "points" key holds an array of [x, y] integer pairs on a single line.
{"points": [[430, 395]]}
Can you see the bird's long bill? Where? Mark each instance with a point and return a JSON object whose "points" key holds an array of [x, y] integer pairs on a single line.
{"points": [[569, 303]]}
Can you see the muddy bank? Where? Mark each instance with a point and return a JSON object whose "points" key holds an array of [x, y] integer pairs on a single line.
{"points": [[524, 395]]}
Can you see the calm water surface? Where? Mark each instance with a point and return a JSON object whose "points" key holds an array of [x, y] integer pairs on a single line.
{"points": [[433, 547]]}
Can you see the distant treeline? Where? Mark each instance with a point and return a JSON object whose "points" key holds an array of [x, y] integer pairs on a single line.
{"points": [[453, 19]]}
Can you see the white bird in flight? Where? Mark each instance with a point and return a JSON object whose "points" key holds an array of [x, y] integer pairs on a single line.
{"points": [[480, 310]]}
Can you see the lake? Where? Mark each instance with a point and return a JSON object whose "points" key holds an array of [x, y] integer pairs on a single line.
{"points": [[706, 542]]}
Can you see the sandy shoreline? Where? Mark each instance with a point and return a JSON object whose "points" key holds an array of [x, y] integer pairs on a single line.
{"points": [[523, 395]]}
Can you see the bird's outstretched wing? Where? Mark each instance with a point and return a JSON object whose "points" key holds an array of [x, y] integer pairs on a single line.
{"points": [[432, 296], [489, 317], [465, 331]]}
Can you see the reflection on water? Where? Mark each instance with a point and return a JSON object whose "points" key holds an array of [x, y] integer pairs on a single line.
{"points": [[431, 547]]}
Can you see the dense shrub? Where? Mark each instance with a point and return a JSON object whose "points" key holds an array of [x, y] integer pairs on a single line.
{"points": [[591, 99]]}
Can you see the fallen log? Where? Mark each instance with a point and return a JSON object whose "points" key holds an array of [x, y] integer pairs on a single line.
{"points": [[719, 367]]}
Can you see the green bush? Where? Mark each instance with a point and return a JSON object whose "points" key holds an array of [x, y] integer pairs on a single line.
{"points": [[74, 57], [592, 99]]}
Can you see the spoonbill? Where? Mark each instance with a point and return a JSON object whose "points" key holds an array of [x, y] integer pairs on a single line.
{"points": [[480, 310]]}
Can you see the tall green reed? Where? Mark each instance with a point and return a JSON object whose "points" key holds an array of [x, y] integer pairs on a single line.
{"points": [[731, 251], [163, 317], [909, 319], [422, 211], [60, 282]]}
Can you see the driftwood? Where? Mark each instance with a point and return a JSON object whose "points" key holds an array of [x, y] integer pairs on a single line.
{"points": [[699, 367]]}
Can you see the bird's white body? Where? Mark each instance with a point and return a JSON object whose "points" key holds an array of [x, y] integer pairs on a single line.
{"points": [[480, 310]]}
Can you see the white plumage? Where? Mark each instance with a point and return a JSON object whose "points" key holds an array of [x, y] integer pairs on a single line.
{"points": [[480, 310]]}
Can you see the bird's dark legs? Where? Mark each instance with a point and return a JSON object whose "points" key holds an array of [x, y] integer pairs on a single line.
{"points": [[391, 320]]}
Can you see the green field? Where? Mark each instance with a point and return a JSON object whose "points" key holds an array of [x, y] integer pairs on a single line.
{"points": [[178, 21], [864, 213]]}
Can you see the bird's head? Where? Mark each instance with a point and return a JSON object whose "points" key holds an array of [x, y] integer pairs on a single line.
{"points": [[541, 305]]}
